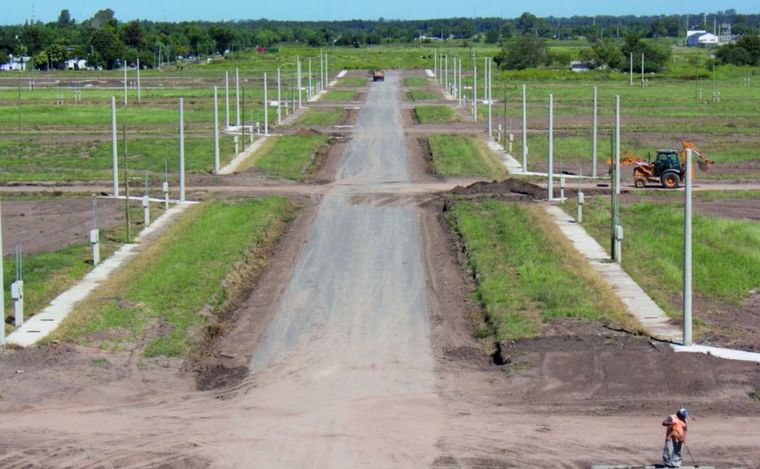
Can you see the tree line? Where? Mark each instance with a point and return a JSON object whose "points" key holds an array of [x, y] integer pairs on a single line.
{"points": [[105, 41]]}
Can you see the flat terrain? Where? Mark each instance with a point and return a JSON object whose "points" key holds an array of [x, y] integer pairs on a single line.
{"points": [[356, 348]]}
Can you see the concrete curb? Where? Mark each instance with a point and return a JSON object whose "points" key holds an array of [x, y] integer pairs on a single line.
{"points": [[236, 162], [46, 321]]}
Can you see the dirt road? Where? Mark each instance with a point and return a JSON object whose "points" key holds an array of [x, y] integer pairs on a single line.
{"points": [[347, 363]]}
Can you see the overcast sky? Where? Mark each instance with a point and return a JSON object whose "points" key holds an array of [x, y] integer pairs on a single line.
{"points": [[18, 11]]}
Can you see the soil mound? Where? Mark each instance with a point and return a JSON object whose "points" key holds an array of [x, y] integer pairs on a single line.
{"points": [[306, 132], [507, 187]]}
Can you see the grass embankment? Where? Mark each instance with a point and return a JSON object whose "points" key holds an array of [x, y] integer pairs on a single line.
{"points": [[25, 161], [422, 95], [416, 81], [726, 253], [48, 274], [434, 114], [339, 95], [454, 155], [528, 272], [289, 156], [321, 117], [160, 298]]}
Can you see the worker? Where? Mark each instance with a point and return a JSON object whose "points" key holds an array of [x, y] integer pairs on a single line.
{"points": [[675, 438]]}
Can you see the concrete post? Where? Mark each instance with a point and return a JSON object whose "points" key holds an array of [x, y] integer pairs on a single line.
{"points": [[139, 98], [562, 188], [114, 150], [524, 128], [630, 72], [95, 233], [461, 87], [125, 82], [2, 288], [490, 98], [594, 135], [475, 93], [298, 80], [550, 148], [321, 70], [642, 70], [165, 186], [279, 99], [581, 197], [435, 64], [182, 150], [237, 98], [146, 203], [309, 91], [17, 292], [227, 101], [618, 226], [687, 333], [327, 71], [266, 107], [216, 131], [446, 73]]}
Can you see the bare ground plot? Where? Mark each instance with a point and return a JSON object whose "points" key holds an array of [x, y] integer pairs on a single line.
{"points": [[49, 224]]}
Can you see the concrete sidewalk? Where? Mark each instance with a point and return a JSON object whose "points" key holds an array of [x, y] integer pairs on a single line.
{"points": [[46, 321]]}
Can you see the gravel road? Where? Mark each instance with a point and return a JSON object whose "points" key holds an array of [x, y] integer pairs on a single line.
{"points": [[346, 364]]}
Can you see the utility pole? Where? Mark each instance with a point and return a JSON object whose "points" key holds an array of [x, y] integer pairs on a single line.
{"points": [[237, 98], [687, 334], [594, 135], [617, 230], [490, 99], [114, 149], [309, 90], [182, 150], [279, 98], [298, 80], [475, 93], [524, 128], [227, 101], [216, 131], [266, 108], [550, 147]]}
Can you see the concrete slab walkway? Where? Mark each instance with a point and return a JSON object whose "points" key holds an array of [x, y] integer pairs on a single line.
{"points": [[46, 321]]}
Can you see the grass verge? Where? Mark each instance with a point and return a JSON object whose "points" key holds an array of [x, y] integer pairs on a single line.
{"points": [[289, 156], [353, 81], [420, 95], [455, 155], [416, 81], [434, 114], [339, 95], [726, 253], [315, 117], [164, 297], [527, 272]]}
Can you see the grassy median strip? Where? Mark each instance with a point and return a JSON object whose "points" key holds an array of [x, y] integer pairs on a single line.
{"points": [[339, 95], [423, 95], [455, 155], [159, 298], [527, 272], [726, 252], [416, 81], [289, 156], [434, 114], [353, 81], [321, 117]]}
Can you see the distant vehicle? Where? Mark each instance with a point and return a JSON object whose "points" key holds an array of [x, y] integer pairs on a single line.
{"points": [[378, 75]]}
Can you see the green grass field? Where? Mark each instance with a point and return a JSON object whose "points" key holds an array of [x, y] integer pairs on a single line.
{"points": [[353, 81], [320, 117], [418, 95], [726, 253], [527, 273], [434, 114], [416, 81], [159, 296], [455, 155], [289, 156], [339, 95]]}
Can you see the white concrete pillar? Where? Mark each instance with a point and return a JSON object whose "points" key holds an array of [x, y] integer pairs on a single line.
{"points": [[524, 128], [114, 150], [475, 93], [227, 101], [139, 97], [125, 82], [298, 80], [2, 288], [594, 135], [687, 238], [181, 151], [216, 131], [266, 107], [550, 148], [237, 98]]}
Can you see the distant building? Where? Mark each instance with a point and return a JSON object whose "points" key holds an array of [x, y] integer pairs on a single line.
{"points": [[579, 66], [16, 64], [700, 37]]}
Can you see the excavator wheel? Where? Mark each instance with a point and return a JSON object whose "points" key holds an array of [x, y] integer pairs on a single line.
{"points": [[670, 180], [640, 183]]}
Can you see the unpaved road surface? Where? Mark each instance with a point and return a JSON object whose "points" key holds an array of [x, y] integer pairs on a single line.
{"points": [[347, 364]]}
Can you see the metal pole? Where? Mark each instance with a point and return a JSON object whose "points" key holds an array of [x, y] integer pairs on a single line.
{"points": [[227, 101], [114, 149], [216, 131], [237, 98], [125, 82], [266, 108], [139, 98], [687, 333], [550, 145], [594, 135], [182, 150], [2, 288], [524, 128]]}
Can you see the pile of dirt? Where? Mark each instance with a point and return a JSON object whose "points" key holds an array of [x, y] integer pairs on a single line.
{"points": [[306, 132], [508, 187]]}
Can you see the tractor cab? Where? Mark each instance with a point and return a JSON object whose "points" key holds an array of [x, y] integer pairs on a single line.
{"points": [[666, 159]]}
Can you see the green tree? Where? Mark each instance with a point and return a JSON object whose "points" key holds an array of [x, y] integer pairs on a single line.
{"points": [[132, 34], [64, 19], [106, 46], [492, 36], [527, 52], [607, 54]]}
